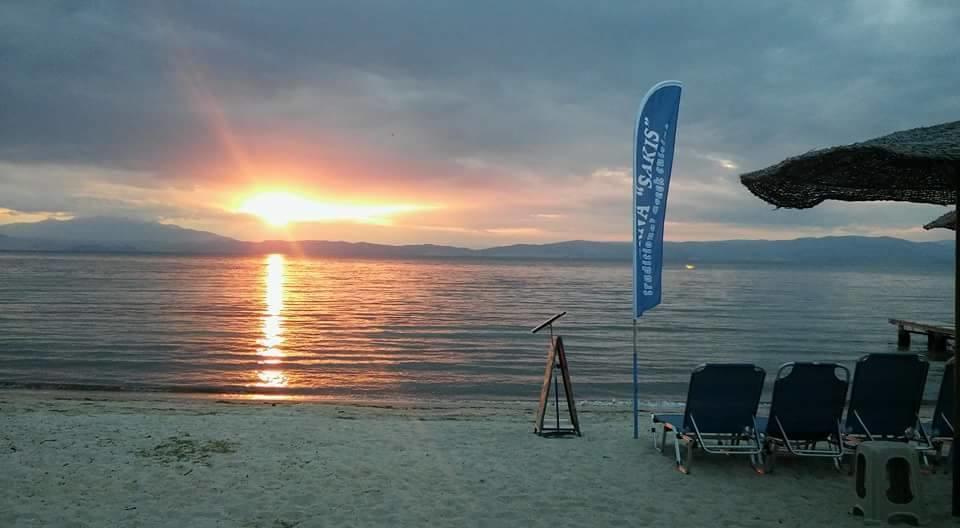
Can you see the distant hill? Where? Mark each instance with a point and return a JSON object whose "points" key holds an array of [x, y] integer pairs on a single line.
{"points": [[132, 236], [842, 250], [837, 250], [358, 249], [112, 234], [575, 249]]}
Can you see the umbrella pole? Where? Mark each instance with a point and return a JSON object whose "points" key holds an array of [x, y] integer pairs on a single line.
{"points": [[956, 361]]}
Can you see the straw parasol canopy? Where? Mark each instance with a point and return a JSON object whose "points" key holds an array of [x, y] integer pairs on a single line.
{"points": [[917, 165], [947, 221], [921, 165]]}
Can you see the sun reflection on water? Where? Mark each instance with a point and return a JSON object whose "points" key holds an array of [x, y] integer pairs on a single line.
{"points": [[272, 378], [269, 345]]}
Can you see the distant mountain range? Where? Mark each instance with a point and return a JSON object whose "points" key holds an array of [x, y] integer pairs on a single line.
{"points": [[114, 235]]}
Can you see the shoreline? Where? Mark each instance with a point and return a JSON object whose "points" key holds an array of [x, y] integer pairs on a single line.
{"points": [[606, 406]]}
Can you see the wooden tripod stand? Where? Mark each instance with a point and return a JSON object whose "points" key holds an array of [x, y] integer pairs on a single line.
{"points": [[556, 360]]}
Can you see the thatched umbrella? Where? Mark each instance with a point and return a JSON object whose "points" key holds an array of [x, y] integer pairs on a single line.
{"points": [[921, 165], [946, 221]]}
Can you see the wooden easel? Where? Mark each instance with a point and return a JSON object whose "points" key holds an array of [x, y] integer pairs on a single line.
{"points": [[556, 359]]}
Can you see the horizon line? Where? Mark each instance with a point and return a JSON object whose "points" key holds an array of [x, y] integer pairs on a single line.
{"points": [[447, 245]]}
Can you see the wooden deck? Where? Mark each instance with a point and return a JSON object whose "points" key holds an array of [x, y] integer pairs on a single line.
{"points": [[937, 335]]}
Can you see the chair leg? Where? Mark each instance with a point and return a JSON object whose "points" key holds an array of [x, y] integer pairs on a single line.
{"points": [[758, 461], [676, 450], [937, 457], [681, 467], [770, 460], [653, 431], [837, 460], [950, 455]]}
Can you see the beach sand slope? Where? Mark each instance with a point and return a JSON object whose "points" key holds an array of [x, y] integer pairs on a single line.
{"points": [[88, 461]]}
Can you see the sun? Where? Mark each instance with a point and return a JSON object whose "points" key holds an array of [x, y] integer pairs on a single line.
{"points": [[277, 208], [280, 208]]}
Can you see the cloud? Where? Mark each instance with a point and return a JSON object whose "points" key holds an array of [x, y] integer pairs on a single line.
{"points": [[505, 112], [721, 160]]}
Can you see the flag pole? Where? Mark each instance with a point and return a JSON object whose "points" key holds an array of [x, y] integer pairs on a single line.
{"points": [[636, 420], [654, 135], [955, 462]]}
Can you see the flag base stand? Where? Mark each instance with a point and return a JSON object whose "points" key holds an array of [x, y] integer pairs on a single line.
{"points": [[556, 365]]}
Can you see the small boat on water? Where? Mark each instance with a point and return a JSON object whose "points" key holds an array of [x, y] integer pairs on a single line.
{"points": [[690, 267]]}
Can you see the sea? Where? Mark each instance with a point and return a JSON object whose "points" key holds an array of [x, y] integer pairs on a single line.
{"points": [[285, 326]]}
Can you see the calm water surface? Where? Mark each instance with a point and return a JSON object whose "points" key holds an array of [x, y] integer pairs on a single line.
{"points": [[428, 329]]}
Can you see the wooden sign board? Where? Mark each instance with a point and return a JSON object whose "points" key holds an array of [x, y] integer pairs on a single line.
{"points": [[556, 358]]}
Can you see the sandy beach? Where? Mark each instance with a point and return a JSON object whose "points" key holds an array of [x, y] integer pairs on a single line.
{"points": [[89, 460]]}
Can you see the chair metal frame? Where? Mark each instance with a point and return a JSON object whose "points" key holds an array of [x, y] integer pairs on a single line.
{"points": [[930, 441], [909, 435], [934, 443], [696, 438], [771, 444]]}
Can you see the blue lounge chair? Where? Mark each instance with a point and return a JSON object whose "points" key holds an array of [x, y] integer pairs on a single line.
{"points": [[807, 409], [939, 429], [886, 397], [720, 414]]}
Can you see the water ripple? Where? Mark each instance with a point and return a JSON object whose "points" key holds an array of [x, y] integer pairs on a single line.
{"points": [[435, 328]]}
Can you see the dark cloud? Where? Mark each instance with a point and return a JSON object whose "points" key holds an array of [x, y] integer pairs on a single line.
{"points": [[516, 96]]}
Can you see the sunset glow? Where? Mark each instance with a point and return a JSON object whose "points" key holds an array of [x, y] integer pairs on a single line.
{"points": [[281, 208], [468, 147]]}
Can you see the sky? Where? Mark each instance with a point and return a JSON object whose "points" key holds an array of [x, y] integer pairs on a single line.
{"points": [[467, 123]]}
